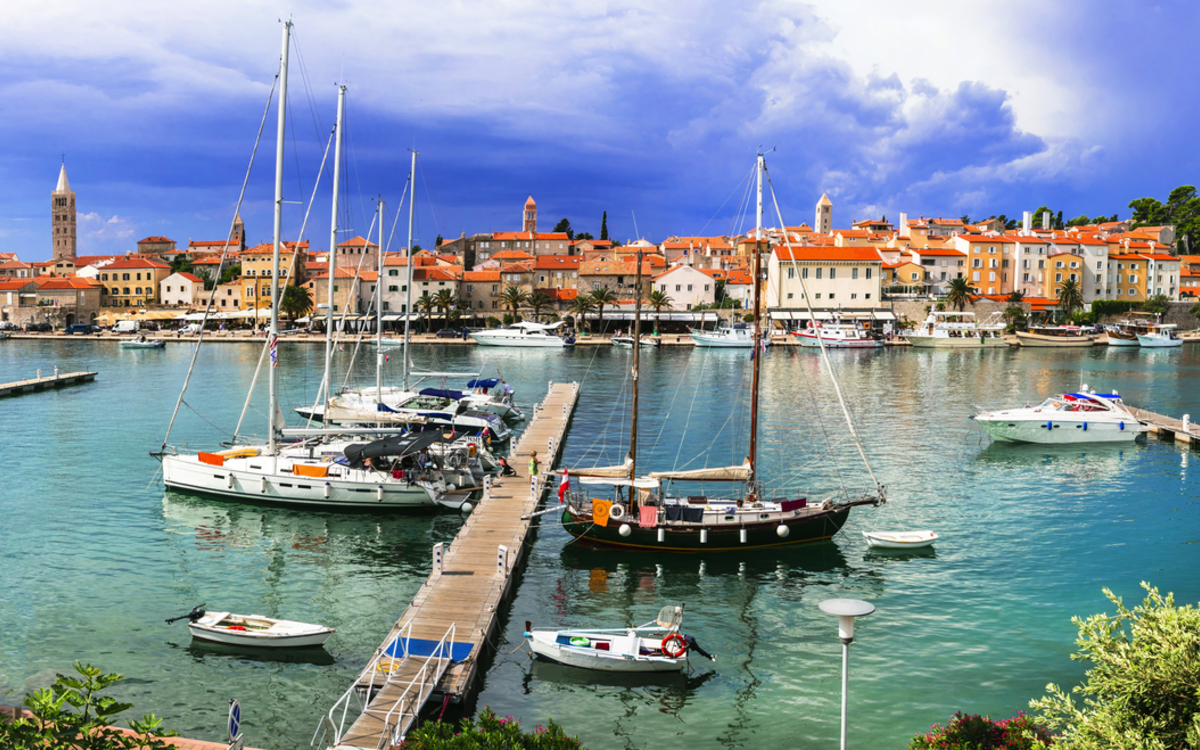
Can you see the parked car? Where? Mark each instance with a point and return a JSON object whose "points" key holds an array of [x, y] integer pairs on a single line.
{"points": [[39, 327], [450, 333], [82, 328]]}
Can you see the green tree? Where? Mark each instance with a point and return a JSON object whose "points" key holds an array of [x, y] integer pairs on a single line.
{"points": [[658, 301], [602, 296], [295, 302], [207, 278], [181, 264], [438, 242], [1140, 690], [73, 714], [514, 298], [424, 306], [1195, 310], [959, 293], [604, 226], [719, 292], [1037, 217], [1014, 315], [539, 301], [444, 300], [581, 306], [1016, 297], [1070, 297], [231, 273], [965, 219], [488, 733], [1157, 304], [564, 227], [583, 236], [1058, 221]]}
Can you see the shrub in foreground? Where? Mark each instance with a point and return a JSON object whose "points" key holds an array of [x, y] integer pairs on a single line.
{"points": [[71, 714], [974, 732], [488, 733]]}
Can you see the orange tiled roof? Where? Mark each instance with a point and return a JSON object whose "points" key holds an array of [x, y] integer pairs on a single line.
{"points": [[828, 253]]}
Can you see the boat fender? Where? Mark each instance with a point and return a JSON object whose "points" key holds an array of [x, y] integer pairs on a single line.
{"points": [[1085, 426], [1121, 425], [616, 511], [625, 530], [674, 645], [1049, 425], [782, 531]]}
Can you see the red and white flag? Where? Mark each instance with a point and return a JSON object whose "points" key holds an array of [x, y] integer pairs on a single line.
{"points": [[562, 486]]}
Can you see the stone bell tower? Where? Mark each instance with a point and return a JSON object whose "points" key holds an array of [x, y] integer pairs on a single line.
{"points": [[62, 218], [530, 223]]}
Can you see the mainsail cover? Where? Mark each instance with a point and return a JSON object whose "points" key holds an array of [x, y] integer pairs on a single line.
{"points": [[715, 473], [624, 470]]}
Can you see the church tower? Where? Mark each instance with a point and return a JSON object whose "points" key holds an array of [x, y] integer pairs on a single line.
{"points": [[62, 217], [824, 218], [530, 224], [237, 237]]}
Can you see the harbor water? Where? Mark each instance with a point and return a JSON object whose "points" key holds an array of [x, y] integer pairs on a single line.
{"points": [[94, 554]]}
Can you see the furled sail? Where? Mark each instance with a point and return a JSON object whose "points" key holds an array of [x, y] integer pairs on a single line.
{"points": [[716, 473], [624, 470]]}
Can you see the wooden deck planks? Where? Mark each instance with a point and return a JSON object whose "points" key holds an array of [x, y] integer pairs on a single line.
{"points": [[41, 384], [470, 602], [1163, 425]]}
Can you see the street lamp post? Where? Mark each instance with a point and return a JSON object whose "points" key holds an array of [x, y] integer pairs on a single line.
{"points": [[846, 610]]}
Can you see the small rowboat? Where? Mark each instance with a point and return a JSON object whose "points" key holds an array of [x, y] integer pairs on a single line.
{"points": [[254, 630], [900, 539], [657, 646]]}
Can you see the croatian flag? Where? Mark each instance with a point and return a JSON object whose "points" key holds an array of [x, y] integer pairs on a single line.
{"points": [[562, 486], [274, 353]]}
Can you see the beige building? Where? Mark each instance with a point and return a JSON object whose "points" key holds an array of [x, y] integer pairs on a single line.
{"points": [[835, 277], [182, 290], [258, 265]]}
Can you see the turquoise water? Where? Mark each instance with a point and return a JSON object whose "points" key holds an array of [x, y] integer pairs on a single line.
{"points": [[93, 556]]}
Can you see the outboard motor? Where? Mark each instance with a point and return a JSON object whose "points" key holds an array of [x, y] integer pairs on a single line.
{"points": [[693, 646], [192, 616]]}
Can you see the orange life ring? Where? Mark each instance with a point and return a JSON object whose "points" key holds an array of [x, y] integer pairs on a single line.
{"points": [[674, 645]]}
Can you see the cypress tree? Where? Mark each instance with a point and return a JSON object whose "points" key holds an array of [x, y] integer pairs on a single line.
{"points": [[604, 226]]}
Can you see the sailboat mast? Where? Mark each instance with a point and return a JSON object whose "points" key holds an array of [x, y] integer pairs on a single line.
{"points": [[756, 355], [379, 315], [327, 378], [412, 202], [273, 334], [637, 347]]}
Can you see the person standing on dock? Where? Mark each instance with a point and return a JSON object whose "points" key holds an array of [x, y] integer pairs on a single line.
{"points": [[533, 464]]}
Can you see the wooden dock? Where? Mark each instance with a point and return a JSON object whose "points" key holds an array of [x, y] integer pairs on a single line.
{"points": [[436, 645], [1168, 427], [40, 384]]}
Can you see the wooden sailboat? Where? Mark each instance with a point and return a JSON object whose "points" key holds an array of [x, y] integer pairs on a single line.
{"points": [[645, 516]]}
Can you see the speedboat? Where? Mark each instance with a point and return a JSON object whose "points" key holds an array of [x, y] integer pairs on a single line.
{"points": [[627, 341], [956, 330], [657, 646], [141, 342], [524, 335], [1084, 417], [255, 631]]}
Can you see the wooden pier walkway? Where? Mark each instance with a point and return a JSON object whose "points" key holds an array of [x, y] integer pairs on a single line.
{"points": [[1168, 427], [41, 384], [457, 605]]}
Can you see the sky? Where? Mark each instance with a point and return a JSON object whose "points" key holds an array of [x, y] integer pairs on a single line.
{"points": [[651, 111]]}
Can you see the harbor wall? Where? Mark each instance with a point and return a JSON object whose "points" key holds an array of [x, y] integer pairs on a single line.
{"points": [[915, 309]]}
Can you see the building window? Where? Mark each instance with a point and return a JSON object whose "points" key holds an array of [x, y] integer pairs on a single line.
{"points": [[393, 288], [853, 275], [853, 295], [804, 273], [867, 295], [868, 273], [1058, 277], [818, 273], [791, 273], [832, 275], [977, 263], [789, 295], [689, 287], [1132, 292], [125, 277], [677, 287]]}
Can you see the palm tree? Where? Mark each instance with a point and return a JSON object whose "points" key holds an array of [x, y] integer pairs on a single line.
{"points": [[602, 296], [581, 306], [296, 301], [514, 298], [959, 293], [657, 300], [425, 305], [1017, 297], [444, 300], [537, 302], [1070, 297]]}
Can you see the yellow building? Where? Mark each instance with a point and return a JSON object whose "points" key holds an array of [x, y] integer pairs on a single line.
{"points": [[1128, 273], [131, 282], [991, 261], [257, 265], [1059, 268]]}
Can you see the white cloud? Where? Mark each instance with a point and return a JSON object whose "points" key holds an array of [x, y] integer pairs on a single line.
{"points": [[94, 229]]}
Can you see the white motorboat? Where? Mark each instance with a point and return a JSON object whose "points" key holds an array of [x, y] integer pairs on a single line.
{"points": [[254, 631], [432, 406], [956, 330], [1161, 335], [900, 539], [837, 334], [738, 335], [657, 646], [626, 342], [1083, 417], [524, 335], [141, 342]]}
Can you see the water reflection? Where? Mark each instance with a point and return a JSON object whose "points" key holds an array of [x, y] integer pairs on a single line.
{"points": [[1018, 455], [669, 692], [202, 651]]}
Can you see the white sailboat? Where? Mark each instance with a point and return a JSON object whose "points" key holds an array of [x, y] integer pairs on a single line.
{"points": [[318, 471]]}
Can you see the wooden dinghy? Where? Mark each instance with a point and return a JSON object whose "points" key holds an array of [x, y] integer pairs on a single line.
{"points": [[657, 646], [253, 630]]}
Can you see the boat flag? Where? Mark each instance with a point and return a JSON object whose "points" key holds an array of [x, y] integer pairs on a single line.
{"points": [[274, 357], [562, 486]]}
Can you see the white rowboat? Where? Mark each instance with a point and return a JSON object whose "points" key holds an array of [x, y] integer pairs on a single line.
{"points": [[900, 539], [657, 646], [257, 631]]}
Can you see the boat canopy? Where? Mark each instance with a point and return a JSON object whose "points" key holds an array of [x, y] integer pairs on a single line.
{"points": [[537, 326], [484, 383], [401, 445], [716, 473], [622, 470], [641, 483], [441, 393]]}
